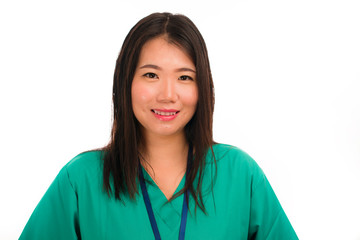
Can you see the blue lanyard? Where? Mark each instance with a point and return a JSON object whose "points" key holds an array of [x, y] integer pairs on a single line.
{"points": [[150, 210]]}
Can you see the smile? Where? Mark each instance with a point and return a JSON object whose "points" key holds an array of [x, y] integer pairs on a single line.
{"points": [[165, 114], [162, 113]]}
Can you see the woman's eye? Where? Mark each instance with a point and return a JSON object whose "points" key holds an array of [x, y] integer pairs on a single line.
{"points": [[185, 77], [150, 75]]}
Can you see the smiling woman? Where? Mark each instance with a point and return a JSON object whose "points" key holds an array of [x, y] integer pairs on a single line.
{"points": [[162, 161]]}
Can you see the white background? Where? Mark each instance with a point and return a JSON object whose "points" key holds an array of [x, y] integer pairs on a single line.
{"points": [[287, 82]]}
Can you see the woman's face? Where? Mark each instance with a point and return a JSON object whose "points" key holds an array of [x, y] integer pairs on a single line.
{"points": [[164, 92]]}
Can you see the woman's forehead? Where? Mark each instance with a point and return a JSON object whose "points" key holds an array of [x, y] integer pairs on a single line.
{"points": [[162, 53]]}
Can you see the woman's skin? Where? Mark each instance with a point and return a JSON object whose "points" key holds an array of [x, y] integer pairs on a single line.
{"points": [[164, 97]]}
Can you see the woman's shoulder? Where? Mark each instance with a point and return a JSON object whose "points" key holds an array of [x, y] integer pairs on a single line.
{"points": [[226, 151], [85, 160], [86, 165], [233, 157]]}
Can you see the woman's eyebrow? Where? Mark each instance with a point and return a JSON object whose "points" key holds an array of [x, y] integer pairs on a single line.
{"points": [[184, 69], [150, 66]]}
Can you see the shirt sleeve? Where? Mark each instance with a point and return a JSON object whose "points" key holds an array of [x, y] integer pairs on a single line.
{"points": [[56, 215], [267, 218]]}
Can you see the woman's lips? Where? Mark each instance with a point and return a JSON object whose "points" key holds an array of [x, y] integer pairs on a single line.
{"points": [[165, 114]]}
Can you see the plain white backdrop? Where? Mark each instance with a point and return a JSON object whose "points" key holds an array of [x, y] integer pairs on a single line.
{"points": [[287, 85]]}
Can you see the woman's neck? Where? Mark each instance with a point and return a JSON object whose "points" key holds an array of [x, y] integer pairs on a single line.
{"points": [[165, 160], [165, 151]]}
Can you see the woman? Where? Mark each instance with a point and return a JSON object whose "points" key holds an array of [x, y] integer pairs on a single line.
{"points": [[161, 174]]}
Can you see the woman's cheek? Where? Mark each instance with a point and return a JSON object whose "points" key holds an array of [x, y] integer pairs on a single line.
{"points": [[191, 96], [142, 92]]}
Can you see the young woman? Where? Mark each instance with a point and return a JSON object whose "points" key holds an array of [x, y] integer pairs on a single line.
{"points": [[162, 175]]}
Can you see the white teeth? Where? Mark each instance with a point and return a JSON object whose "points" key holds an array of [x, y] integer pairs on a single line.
{"points": [[164, 113]]}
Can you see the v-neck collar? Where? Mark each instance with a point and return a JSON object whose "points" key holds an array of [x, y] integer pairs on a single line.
{"points": [[166, 213]]}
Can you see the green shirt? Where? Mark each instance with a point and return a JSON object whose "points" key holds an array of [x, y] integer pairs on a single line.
{"points": [[241, 205]]}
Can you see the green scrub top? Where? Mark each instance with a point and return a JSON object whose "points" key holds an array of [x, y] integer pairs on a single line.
{"points": [[240, 204]]}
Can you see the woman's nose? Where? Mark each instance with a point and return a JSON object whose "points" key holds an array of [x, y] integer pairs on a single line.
{"points": [[167, 90]]}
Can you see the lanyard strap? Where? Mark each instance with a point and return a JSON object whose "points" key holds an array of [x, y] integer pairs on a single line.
{"points": [[150, 210]]}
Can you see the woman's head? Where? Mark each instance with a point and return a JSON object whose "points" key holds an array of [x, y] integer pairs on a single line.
{"points": [[164, 91], [121, 163], [179, 31]]}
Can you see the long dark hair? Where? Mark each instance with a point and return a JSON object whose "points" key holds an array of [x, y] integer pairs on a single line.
{"points": [[121, 162]]}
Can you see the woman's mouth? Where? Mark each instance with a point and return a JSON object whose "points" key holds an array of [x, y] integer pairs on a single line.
{"points": [[165, 114]]}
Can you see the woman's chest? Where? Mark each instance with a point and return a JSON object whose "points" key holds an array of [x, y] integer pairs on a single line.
{"points": [[104, 218]]}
